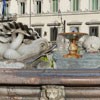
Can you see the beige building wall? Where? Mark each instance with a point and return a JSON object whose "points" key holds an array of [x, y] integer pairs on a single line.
{"points": [[83, 18], [79, 17]]}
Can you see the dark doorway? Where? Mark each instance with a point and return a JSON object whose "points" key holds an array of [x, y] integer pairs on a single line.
{"points": [[53, 33]]}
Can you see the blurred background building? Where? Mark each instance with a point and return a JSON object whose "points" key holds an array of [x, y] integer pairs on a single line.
{"points": [[51, 17]]}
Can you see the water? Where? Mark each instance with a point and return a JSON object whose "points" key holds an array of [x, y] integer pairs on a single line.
{"points": [[88, 61]]}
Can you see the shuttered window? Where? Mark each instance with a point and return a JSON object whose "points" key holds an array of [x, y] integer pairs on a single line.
{"points": [[55, 5], [94, 4], [75, 5], [38, 5], [93, 31], [22, 4]]}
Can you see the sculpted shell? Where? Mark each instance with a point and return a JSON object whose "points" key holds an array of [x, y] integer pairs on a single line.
{"points": [[92, 44]]}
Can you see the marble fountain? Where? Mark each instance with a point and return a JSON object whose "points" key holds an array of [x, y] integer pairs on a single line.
{"points": [[31, 68]]}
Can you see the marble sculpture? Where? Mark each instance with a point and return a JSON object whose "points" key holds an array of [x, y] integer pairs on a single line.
{"points": [[19, 42]]}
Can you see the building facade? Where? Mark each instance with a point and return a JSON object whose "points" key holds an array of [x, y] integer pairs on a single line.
{"points": [[51, 17]]}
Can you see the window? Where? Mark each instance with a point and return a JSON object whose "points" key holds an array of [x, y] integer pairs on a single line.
{"points": [[22, 7], [75, 5], [94, 4], [53, 33], [93, 31], [38, 6], [74, 29], [39, 31], [55, 5]]}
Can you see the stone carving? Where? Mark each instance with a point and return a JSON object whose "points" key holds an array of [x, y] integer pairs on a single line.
{"points": [[52, 93], [18, 49], [18, 42], [82, 39], [92, 44]]}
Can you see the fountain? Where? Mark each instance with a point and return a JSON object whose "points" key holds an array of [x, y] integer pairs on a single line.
{"points": [[77, 51], [73, 48], [30, 83]]}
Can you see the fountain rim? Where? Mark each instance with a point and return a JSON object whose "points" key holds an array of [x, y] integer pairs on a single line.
{"points": [[77, 33]]}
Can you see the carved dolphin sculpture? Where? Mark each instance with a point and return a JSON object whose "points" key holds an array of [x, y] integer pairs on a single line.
{"points": [[17, 49], [24, 50]]}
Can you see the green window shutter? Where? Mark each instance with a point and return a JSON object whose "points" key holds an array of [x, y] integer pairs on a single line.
{"points": [[73, 5], [21, 7], [37, 7], [53, 5], [56, 5], [94, 4], [77, 5], [38, 4], [6, 9]]}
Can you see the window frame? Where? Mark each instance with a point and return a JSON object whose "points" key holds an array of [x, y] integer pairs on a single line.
{"points": [[19, 7], [36, 10], [92, 5], [75, 5], [38, 6], [95, 5], [54, 6], [22, 7], [97, 30], [74, 26], [51, 6]]}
